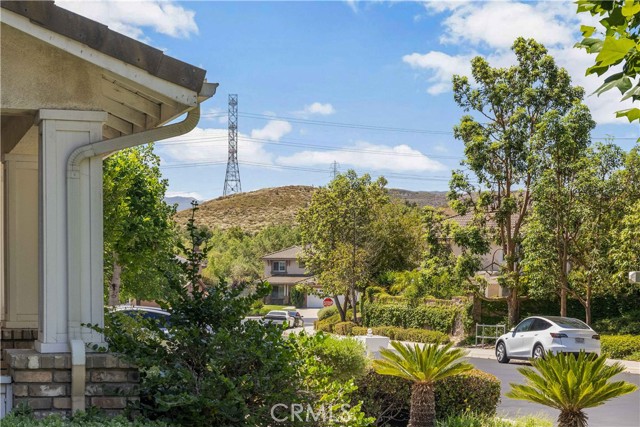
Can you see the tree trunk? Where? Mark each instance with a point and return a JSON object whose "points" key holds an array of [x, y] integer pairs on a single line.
{"points": [[575, 418], [563, 302], [513, 305], [354, 304], [423, 405], [341, 312], [587, 307], [114, 286]]}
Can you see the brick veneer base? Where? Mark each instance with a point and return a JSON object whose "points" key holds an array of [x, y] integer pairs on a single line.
{"points": [[15, 338], [43, 381]]}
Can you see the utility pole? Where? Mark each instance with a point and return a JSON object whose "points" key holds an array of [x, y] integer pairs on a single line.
{"points": [[334, 169], [232, 178]]}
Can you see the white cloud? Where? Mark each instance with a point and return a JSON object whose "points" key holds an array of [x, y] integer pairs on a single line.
{"points": [[130, 17], [319, 108], [274, 130], [492, 27], [210, 145], [189, 194], [399, 158], [497, 24], [442, 66]]}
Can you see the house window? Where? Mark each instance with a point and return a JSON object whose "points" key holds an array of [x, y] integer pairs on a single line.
{"points": [[279, 267]]}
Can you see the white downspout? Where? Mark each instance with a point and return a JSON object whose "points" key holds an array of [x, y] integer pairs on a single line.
{"points": [[99, 148]]}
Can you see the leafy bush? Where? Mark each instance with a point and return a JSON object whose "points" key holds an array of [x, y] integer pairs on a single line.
{"points": [[80, 419], [344, 328], [388, 398], [619, 346], [345, 356], [473, 391], [327, 324], [436, 317], [473, 420], [211, 368], [319, 381], [401, 334], [626, 324], [323, 313], [384, 397], [297, 297]]}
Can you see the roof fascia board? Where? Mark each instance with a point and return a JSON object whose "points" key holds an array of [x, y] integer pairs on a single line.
{"points": [[162, 87]]}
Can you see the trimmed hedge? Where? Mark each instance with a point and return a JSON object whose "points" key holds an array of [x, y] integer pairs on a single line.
{"points": [[473, 391], [388, 398], [401, 334], [344, 328], [323, 313], [327, 324], [436, 317], [620, 346]]}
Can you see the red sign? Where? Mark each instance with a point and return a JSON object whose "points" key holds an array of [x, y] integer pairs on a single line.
{"points": [[327, 302]]}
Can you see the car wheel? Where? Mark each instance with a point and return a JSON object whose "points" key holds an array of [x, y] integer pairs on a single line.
{"points": [[501, 353], [538, 351]]}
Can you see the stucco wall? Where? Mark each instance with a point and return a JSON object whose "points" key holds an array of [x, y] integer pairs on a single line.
{"points": [[67, 83]]}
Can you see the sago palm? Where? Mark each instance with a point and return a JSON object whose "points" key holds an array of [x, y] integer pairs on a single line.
{"points": [[570, 384], [424, 366]]}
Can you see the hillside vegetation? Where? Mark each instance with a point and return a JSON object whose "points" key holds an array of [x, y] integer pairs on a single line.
{"points": [[255, 210]]}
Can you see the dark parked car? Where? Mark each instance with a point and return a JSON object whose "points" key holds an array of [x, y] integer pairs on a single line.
{"points": [[157, 314], [298, 320]]}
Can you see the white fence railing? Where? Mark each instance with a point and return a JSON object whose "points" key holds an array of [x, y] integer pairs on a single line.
{"points": [[489, 332]]}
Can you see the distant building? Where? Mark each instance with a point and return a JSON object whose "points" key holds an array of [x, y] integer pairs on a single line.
{"points": [[284, 271]]}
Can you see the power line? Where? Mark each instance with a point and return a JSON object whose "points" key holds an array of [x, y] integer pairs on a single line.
{"points": [[363, 126]]}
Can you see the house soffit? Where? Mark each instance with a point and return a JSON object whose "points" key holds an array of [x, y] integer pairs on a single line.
{"points": [[136, 99]]}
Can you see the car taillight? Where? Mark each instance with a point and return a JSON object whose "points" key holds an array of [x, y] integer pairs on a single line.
{"points": [[596, 337], [558, 335]]}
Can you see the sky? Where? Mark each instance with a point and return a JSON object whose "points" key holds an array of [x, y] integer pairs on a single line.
{"points": [[364, 84]]}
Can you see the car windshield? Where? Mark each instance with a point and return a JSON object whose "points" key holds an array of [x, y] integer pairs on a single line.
{"points": [[568, 322]]}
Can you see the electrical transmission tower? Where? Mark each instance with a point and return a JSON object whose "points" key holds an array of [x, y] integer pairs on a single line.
{"points": [[334, 169], [232, 178]]}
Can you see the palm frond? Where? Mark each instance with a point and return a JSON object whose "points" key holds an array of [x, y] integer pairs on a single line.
{"points": [[570, 383], [428, 363]]}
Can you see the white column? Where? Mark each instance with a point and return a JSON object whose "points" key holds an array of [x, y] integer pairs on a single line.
{"points": [[71, 284], [20, 300]]}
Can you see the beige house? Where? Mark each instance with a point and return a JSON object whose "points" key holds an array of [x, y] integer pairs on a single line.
{"points": [[490, 263], [284, 271], [72, 92]]}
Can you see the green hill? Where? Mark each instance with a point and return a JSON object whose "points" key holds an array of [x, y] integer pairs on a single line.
{"points": [[255, 210]]}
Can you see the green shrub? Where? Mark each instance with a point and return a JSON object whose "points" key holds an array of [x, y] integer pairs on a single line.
{"points": [[297, 297], [473, 420], [344, 328], [400, 334], [635, 356], [438, 317], [80, 419], [619, 346], [345, 356], [323, 313], [626, 324], [388, 398], [473, 391], [384, 397], [327, 324]]}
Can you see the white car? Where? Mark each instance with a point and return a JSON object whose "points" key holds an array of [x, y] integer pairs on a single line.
{"points": [[280, 317], [537, 335]]}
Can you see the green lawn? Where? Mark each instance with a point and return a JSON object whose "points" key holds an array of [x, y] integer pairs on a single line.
{"points": [[262, 311]]}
